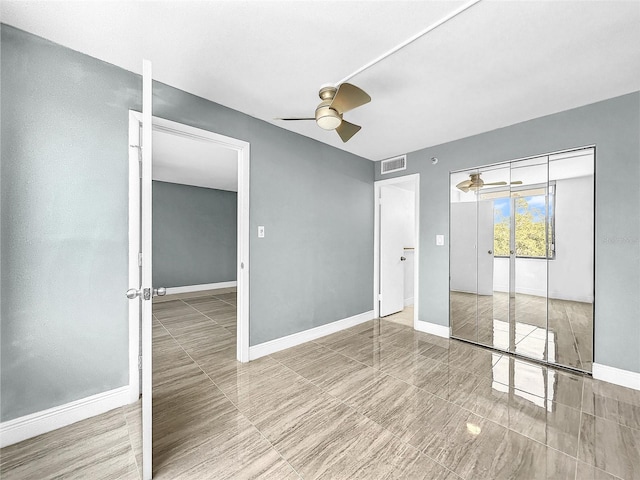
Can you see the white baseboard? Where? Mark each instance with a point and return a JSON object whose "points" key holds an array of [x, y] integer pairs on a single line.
{"points": [[408, 302], [37, 423], [432, 328], [571, 298], [542, 293], [618, 376], [273, 346], [199, 288]]}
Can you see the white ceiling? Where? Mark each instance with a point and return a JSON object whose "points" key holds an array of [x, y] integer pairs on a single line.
{"points": [[496, 64], [188, 161]]}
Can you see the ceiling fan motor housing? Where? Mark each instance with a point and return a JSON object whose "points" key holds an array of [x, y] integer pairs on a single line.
{"points": [[327, 117]]}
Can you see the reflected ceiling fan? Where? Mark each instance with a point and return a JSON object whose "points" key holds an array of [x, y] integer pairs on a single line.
{"points": [[475, 183], [335, 102]]}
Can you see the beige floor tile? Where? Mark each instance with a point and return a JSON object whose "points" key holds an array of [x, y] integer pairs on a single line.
{"points": [[609, 446], [404, 317], [612, 402], [477, 448], [589, 472], [98, 447], [376, 401]]}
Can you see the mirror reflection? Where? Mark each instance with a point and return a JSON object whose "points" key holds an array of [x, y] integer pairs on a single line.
{"points": [[521, 257]]}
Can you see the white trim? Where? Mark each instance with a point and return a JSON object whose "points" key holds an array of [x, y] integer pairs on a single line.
{"points": [[408, 302], [29, 426], [534, 292], [273, 346], [618, 376], [242, 275], [415, 178], [200, 288], [571, 298], [432, 328], [146, 282], [557, 295], [244, 154], [134, 247]]}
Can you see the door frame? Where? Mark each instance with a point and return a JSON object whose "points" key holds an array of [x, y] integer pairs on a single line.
{"points": [[415, 179], [243, 150]]}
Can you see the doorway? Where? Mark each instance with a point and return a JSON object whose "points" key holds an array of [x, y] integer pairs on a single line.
{"points": [[140, 223], [396, 249], [242, 153]]}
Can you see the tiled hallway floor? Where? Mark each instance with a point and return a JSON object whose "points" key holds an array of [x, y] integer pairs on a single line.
{"points": [[377, 401]]}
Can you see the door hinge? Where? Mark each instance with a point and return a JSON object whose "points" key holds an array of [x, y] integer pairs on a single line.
{"points": [[380, 201], [140, 362], [139, 259], [379, 297]]}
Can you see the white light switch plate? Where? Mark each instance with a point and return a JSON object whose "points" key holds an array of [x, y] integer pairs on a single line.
{"points": [[261, 231], [440, 240]]}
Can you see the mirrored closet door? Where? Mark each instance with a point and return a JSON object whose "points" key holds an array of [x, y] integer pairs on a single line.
{"points": [[522, 257]]}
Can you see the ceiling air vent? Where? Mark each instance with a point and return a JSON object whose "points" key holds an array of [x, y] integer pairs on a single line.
{"points": [[394, 164]]}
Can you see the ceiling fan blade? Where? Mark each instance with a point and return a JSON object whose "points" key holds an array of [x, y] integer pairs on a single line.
{"points": [[494, 183], [294, 119], [347, 130], [517, 182], [349, 97], [465, 184]]}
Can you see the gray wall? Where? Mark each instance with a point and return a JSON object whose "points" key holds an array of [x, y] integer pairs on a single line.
{"points": [[64, 222], [613, 126], [194, 235]]}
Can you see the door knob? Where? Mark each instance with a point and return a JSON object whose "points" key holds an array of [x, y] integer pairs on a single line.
{"points": [[133, 293], [159, 292], [402, 259], [490, 252]]}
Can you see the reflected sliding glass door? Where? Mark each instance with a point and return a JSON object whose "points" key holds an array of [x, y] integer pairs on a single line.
{"points": [[521, 257]]}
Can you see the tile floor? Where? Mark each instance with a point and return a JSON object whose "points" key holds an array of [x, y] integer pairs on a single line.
{"points": [[377, 401], [404, 317]]}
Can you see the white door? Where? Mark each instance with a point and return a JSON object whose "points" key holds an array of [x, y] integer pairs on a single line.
{"points": [[485, 247], [392, 243], [471, 253], [142, 294], [146, 286]]}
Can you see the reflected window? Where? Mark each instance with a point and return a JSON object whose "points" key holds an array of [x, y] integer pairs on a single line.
{"points": [[533, 383], [534, 237]]}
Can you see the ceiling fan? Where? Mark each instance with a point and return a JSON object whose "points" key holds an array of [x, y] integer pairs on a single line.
{"points": [[475, 183], [335, 102]]}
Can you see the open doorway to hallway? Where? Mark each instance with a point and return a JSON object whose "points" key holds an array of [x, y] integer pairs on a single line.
{"points": [[396, 249], [199, 222], [195, 256], [195, 238]]}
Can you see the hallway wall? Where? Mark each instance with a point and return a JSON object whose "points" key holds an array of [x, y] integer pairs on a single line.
{"points": [[194, 235]]}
